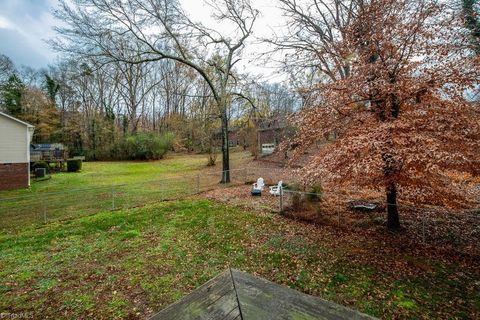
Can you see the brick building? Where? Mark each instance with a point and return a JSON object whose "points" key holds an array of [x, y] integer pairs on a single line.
{"points": [[15, 138]]}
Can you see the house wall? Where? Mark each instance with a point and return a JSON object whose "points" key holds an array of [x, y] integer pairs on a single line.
{"points": [[14, 175], [271, 136], [14, 146], [233, 139], [15, 140]]}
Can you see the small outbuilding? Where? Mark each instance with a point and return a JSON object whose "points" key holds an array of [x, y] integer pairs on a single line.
{"points": [[15, 138], [270, 133]]}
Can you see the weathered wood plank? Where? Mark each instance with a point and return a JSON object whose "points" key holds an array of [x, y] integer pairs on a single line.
{"points": [[262, 299], [215, 299], [234, 295]]}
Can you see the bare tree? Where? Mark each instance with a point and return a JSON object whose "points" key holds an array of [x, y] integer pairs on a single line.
{"points": [[135, 84], [154, 30], [314, 30], [6, 68]]}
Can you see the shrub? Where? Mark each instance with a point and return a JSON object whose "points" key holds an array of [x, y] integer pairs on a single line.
{"points": [[305, 202], [74, 165], [41, 164], [292, 186], [148, 146], [296, 197], [56, 166], [297, 203], [315, 193], [212, 157]]}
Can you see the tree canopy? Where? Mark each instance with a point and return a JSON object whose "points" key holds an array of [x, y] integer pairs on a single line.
{"points": [[401, 118]]}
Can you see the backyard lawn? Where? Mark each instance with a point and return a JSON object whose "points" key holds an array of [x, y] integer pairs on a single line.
{"points": [[89, 261], [102, 186], [132, 263], [106, 173]]}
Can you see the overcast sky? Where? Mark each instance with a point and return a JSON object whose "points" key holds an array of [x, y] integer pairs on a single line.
{"points": [[26, 24]]}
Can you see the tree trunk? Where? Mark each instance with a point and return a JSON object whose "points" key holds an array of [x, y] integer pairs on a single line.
{"points": [[225, 149], [393, 220]]}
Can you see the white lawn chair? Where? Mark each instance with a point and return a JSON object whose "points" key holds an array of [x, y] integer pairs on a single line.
{"points": [[259, 184], [275, 190]]}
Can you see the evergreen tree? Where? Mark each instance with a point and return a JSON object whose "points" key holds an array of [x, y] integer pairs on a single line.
{"points": [[471, 13], [11, 95]]}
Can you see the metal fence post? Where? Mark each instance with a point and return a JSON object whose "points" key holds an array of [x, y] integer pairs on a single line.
{"points": [[281, 200], [161, 188], [44, 211], [113, 198]]}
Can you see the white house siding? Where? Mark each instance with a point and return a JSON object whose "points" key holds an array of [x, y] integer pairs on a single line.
{"points": [[15, 138], [14, 146]]}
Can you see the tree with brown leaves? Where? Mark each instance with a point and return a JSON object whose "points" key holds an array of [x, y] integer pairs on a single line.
{"points": [[400, 116]]}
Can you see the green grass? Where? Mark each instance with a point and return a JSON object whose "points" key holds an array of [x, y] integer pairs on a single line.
{"points": [[97, 174], [131, 263], [102, 186]]}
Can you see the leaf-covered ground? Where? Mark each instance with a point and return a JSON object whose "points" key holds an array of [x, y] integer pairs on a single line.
{"points": [[453, 232], [131, 263]]}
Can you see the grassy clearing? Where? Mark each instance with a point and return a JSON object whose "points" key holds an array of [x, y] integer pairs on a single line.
{"points": [[97, 174], [132, 263], [104, 186]]}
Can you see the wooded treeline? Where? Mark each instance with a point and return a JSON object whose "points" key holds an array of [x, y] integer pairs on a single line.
{"points": [[388, 77], [94, 108]]}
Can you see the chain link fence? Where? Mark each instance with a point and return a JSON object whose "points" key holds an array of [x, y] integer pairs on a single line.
{"points": [[428, 225], [45, 207], [435, 226]]}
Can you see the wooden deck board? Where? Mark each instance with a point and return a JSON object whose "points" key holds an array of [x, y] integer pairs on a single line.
{"points": [[235, 295], [262, 299], [214, 300]]}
